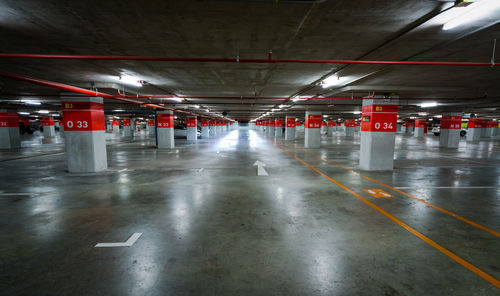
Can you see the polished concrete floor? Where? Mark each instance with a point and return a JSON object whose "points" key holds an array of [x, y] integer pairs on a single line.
{"points": [[211, 226]]}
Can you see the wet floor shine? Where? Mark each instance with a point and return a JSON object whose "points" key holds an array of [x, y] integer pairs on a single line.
{"points": [[211, 226]]}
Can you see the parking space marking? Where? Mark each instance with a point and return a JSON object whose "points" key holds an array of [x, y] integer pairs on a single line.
{"points": [[410, 229], [378, 193], [454, 215], [130, 242]]}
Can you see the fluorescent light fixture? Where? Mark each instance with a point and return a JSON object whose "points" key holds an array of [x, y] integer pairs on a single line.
{"points": [[284, 106], [423, 113], [438, 116], [118, 110], [428, 105], [130, 80], [473, 12], [356, 112], [31, 102], [43, 111], [175, 117], [274, 110], [23, 113], [412, 117], [325, 115], [176, 99], [298, 99], [117, 117], [333, 81], [196, 106]]}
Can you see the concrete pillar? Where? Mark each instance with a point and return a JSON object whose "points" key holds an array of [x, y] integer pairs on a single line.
{"points": [[419, 128], [9, 130], [192, 128], [165, 129], [109, 127], [228, 126], [133, 125], [404, 128], [48, 127], [324, 128], [56, 125], [409, 128], [290, 128], [127, 127], [330, 125], [488, 129], [205, 129], [278, 133], [473, 130], [378, 133], [449, 136], [219, 127], [213, 128], [272, 128], [151, 127], [350, 126], [84, 134], [399, 128], [61, 127], [116, 127], [312, 129]]}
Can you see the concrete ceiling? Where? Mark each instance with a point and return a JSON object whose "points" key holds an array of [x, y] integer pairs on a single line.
{"points": [[341, 29]]}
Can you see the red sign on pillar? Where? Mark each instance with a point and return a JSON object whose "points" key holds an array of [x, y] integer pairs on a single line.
{"points": [[379, 118], [204, 122], [9, 119], [271, 123], [164, 120], [151, 122], [213, 123], [290, 122], [191, 122], [83, 116], [297, 123], [313, 121], [126, 122], [450, 122], [49, 121], [331, 124], [350, 123], [420, 123], [279, 123], [115, 123]]}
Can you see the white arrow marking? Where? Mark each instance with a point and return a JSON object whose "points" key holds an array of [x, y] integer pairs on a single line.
{"points": [[260, 168], [128, 243]]}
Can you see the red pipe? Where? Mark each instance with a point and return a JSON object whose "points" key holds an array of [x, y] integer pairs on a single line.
{"points": [[84, 91], [234, 60]]}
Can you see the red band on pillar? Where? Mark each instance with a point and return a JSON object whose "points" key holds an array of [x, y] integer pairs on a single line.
{"points": [[279, 123], [126, 122], [379, 118], [350, 123], [290, 122], [151, 122], [191, 122], [204, 122], [451, 122], [49, 121], [331, 124], [83, 116], [9, 119], [115, 123], [313, 121], [420, 123], [164, 120]]}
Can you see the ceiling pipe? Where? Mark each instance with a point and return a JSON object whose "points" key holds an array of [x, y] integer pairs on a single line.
{"points": [[235, 60], [85, 91], [227, 97]]}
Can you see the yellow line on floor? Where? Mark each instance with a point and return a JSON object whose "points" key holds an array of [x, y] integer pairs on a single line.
{"points": [[479, 226], [413, 231]]}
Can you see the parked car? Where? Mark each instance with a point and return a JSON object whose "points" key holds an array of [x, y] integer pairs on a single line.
{"points": [[180, 131], [437, 131]]}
